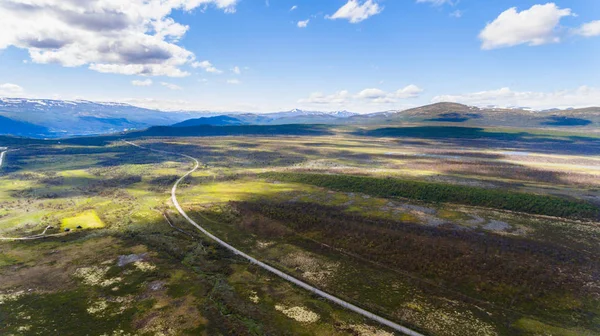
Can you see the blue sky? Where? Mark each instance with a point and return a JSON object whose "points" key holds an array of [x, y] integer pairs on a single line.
{"points": [[256, 55]]}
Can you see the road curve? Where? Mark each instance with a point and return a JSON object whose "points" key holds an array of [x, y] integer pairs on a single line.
{"points": [[42, 235], [3, 154], [36, 237], [271, 269], [2, 157]]}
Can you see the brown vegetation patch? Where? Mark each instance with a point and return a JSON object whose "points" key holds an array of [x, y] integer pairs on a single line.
{"points": [[503, 269], [312, 268], [52, 270]]}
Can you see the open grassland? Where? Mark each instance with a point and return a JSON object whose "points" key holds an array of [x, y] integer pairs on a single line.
{"points": [[131, 273], [312, 255], [85, 220], [370, 216]]}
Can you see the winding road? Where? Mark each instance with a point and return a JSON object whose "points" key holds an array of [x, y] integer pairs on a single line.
{"points": [[42, 235], [269, 268], [2, 157], [3, 154]]}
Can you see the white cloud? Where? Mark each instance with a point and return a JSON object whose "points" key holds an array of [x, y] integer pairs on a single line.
{"points": [[410, 91], [370, 95], [293, 8], [139, 69], [171, 86], [303, 24], [535, 26], [583, 96], [207, 66], [234, 81], [589, 29], [382, 97], [438, 2], [146, 82], [356, 12], [135, 37], [10, 90], [236, 70]]}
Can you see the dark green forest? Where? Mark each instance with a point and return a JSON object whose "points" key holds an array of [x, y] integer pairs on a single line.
{"points": [[447, 193]]}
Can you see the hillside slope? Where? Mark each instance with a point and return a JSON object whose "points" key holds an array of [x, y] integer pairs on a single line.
{"points": [[231, 130], [214, 121], [63, 118], [20, 128], [463, 115]]}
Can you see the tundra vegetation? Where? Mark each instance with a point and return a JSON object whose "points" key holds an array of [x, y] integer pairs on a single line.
{"points": [[486, 232]]}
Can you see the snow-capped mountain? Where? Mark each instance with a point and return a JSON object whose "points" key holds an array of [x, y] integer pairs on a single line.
{"points": [[60, 118], [342, 114], [297, 116], [81, 117], [64, 118]]}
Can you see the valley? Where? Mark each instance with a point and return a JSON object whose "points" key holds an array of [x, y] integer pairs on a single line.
{"points": [[48, 118], [299, 168], [451, 232]]}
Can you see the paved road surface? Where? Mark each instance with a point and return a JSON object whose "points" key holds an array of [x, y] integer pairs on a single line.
{"points": [[271, 269], [2, 157]]}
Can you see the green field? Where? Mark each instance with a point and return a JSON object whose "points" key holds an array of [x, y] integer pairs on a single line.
{"points": [[85, 220]]}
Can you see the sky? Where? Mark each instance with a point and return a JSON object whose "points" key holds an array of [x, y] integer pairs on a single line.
{"points": [[325, 55]]}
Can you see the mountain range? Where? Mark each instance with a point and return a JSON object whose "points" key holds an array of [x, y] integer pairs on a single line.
{"points": [[294, 116], [463, 115], [46, 118], [50, 118]]}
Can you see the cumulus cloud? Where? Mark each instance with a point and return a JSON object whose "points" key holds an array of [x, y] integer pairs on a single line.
{"points": [[136, 37], [382, 97], [236, 70], [171, 86], [207, 66], [146, 82], [369, 95], [293, 8], [234, 81], [303, 24], [589, 29], [355, 11], [10, 90], [535, 26], [583, 96], [410, 91]]}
